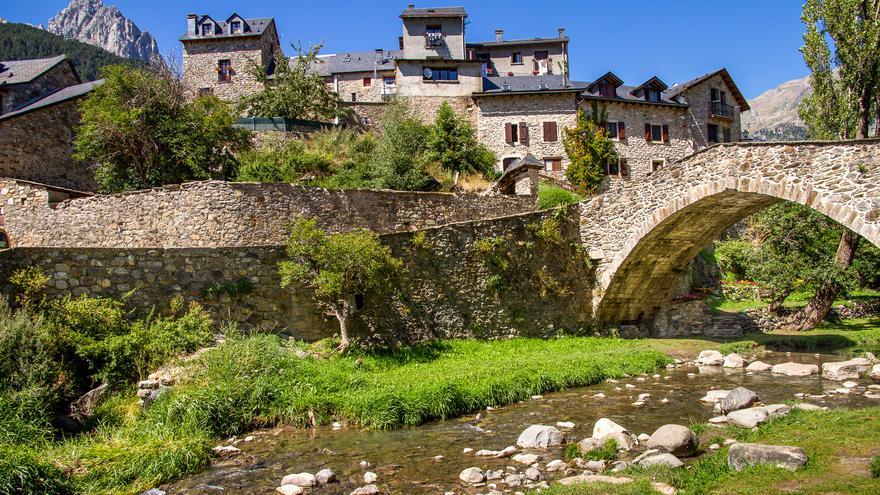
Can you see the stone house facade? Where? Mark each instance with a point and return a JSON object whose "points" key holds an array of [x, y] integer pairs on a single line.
{"points": [[23, 82], [530, 57], [219, 56]]}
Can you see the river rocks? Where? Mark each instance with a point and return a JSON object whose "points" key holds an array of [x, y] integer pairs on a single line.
{"points": [[506, 452], [710, 358], [777, 410], [290, 490], [846, 370], [643, 437], [304, 480], [624, 440], [743, 455], [539, 436], [370, 477], [325, 476], [662, 459], [733, 360], [594, 478], [514, 479], [748, 418], [738, 398], [803, 406], [758, 366], [714, 396], [227, 451], [675, 439], [366, 490], [527, 459], [795, 369], [875, 373], [593, 465], [472, 475], [718, 420], [555, 465], [605, 426], [533, 474], [565, 425]]}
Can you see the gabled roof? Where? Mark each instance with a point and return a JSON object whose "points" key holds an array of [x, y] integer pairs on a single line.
{"points": [[22, 71], [434, 12], [506, 183], [251, 27], [626, 94], [340, 63], [530, 41], [740, 99], [60, 96], [529, 84], [240, 18], [654, 83], [607, 77]]}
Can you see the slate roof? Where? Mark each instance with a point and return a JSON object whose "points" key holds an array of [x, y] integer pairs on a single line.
{"points": [[253, 27], [60, 96], [22, 71], [529, 84], [340, 63], [435, 12], [740, 99], [529, 41], [624, 93]]}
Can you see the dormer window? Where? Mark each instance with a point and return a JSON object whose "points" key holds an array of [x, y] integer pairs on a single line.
{"points": [[207, 28], [652, 95], [606, 90], [235, 26]]}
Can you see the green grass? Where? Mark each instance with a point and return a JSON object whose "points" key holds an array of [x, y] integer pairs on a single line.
{"points": [[550, 196], [794, 301], [838, 444], [255, 381]]}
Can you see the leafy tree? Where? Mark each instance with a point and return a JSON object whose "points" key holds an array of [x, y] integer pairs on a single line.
{"points": [[399, 158], [842, 50], [337, 267], [141, 130], [293, 90], [452, 145], [589, 149]]}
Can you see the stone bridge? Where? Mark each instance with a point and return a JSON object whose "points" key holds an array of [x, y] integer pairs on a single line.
{"points": [[643, 232]]}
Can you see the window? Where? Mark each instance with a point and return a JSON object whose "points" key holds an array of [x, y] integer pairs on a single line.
{"points": [[354, 97], [726, 133], [511, 133], [611, 130], [713, 95], [224, 71], [551, 132], [358, 301], [516, 58], [712, 133], [485, 63], [553, 164], [235, 26], [542, 62], [207, 29], [388, 85], [607, 90], [657, 133], [657, 164], [652, 95], [433, 36], [368, 81], [612, 167], [507, 162], [440, 74]]}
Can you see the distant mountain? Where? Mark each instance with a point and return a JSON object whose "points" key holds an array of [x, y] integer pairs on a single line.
{"points": [[774, 115], [20, 42], [94, 23]]}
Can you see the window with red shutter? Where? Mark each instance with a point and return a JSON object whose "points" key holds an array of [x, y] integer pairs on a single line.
{"points": [[621, 131], [648, 132], [665, 133], [368, 81], [550, 132], [508, 133], [523, 133], [624, 168]]}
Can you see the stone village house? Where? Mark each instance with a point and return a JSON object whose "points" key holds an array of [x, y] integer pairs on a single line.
{"points": [[517, 93]]}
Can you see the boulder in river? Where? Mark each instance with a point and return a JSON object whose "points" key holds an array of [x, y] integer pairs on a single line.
{"points": [[738, 398], [370, 477], [533, 474], [748, 418], [662, 459], [758, 366], [304, 480], [290, 490], [710, 358], [555, 465], [675, 439], [714, 396], [539, 436], [846, 370], [624, 440], [777, 410], [472, 475], [605, 426], [325, 476], [743, 455], [366, 490], [875, 373], [527, 459], [795, 369], [733, 360]]}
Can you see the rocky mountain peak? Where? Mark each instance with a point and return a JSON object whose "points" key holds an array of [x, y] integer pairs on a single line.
{"points": [[92, 22]]}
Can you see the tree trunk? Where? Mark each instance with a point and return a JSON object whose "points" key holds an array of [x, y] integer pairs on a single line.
{"points": [[342, 316], [819, 306], [865, 110], [776, 304]]}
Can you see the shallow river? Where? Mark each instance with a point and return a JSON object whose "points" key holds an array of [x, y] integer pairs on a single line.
{"points": [[404, 459]]}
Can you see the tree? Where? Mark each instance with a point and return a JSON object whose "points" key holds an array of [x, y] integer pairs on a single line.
{"points": [[141, 130], [844, 89], [293, 90], [337, 267], [398, 161], [452, 145], [589, 149]]}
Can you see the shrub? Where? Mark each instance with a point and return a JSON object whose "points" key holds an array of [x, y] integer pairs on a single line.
{"points": [[735, 257], [550, 196], [547, 230], [875, 467], [29, 282]]}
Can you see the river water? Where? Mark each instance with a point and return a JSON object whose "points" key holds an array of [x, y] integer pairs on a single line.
{"points": [[406, 462]]}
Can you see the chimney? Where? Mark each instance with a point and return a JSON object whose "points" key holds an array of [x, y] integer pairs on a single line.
{"points": [[191, 23], [499, 35], [380, 55], [410, 6], [562, 32]]}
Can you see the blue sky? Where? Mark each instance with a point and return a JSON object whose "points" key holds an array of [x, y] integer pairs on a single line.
{"points": [[757, 40]]}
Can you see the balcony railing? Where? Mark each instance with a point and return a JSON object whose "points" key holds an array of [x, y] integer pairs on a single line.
{"points": [[433, 39], [718, 109]]}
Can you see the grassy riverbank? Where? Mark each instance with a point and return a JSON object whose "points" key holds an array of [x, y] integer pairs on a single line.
{"points": [[839, 446], [255, 381]]}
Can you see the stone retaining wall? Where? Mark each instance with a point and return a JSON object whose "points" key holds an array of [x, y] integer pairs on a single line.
{"points": [[221, 214]]}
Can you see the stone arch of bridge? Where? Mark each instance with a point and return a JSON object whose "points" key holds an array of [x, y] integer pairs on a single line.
{"points": [[638, 281]]}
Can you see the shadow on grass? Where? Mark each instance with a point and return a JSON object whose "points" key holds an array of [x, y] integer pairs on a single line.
{"points": [[411, 354]]}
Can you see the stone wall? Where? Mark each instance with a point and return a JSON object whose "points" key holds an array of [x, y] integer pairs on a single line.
{"points": [[222, 214], [38, 146], [448, 288], [201, 58], [534, 110], [352, 83], [16, 193], [501, 57], [698, 98]]}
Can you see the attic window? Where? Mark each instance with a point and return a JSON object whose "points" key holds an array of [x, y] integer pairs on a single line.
{"points": [[235, 26], [207, 28], [516, 58], [652, 95], [606, 90]]}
